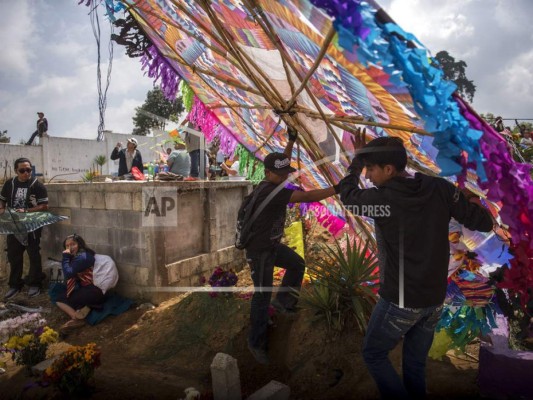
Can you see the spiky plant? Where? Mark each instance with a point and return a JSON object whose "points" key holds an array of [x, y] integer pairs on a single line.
{"points": [[89, 176], [341, 285], [100, 161]]}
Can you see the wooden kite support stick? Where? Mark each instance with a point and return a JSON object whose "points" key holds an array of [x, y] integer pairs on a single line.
{"points": [[327, 40], [338, 120]]}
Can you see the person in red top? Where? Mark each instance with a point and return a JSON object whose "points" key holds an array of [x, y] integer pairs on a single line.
{"points": [[77, 265]]}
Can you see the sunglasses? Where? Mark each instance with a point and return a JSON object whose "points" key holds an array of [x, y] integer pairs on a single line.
{"points": [[24, 170]]}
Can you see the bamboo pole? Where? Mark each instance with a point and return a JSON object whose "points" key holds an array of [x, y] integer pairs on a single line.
{"points": [[242, 56], [360, 121], [267, 28], [214, 91], [327, 41], [207, 31], [249, 107]]}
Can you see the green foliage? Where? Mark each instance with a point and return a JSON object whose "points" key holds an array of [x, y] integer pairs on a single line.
{"points": [[4, 138], [340, 289], [455, 71], [155, 111], [100, 161], [89, 176], [523, 127]]}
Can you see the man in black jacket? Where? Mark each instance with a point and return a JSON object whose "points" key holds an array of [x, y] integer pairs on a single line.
{"points": [[24, 194], [411, 215], [128, 158]]}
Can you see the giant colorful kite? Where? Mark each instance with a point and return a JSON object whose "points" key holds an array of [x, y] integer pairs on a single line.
{"points": [[247, 69]]}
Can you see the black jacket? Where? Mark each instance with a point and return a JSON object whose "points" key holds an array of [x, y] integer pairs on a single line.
{"points": [[122, 166], [414, 212]]}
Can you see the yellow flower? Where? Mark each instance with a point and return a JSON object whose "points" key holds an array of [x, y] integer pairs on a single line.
{"points": [[49, 336], [26, 339]]}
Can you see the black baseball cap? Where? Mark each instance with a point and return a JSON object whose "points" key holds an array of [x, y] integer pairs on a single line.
{"points": [[278, 163]]}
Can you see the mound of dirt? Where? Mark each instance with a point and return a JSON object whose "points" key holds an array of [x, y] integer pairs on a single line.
{"points": [[158, 353]]}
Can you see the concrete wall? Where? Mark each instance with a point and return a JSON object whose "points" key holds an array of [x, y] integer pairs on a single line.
{"points": [[67, 159], [113, 219], [149, 252]]}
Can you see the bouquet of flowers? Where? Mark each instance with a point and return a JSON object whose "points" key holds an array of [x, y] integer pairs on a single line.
{"points": [[73, 371], [27, 338], [221, 278]]}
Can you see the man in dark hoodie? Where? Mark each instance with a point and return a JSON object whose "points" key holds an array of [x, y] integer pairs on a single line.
{"points": [[411, 215]]}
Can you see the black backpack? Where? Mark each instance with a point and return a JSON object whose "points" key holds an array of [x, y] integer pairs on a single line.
{"points": [[245, 218], [248, 213]]}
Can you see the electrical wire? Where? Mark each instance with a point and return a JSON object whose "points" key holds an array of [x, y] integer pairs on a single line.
{"points": [[102, 94]]}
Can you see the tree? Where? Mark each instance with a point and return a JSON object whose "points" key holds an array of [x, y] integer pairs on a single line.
{"points": [[455, 71], [155, 111], [4, 138]]}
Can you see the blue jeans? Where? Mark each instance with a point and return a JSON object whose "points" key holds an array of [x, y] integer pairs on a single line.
{"points": [[387, 325], [262, 266], [195, 163]]}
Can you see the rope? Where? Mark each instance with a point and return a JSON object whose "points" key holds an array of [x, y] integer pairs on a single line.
{"points": [[102, 94]]}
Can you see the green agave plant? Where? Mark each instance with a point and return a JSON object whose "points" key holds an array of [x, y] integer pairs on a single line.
{"points": [[89, 176], [339, 287]]}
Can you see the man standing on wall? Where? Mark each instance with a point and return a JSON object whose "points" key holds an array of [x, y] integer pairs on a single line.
{"points": [[42, 128], [24, 194]]}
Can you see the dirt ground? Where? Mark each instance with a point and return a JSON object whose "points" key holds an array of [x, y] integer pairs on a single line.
{"points": [[156, 354]]}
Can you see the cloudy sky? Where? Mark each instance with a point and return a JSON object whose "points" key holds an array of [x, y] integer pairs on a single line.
{"points": [[48, 61]]}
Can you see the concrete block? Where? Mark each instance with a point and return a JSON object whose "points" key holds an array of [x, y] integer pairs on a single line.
{"points": [[273, 390], [137, 199], [226, 381], [126, 238], [127, 254], [98, 218], [118, 201], [52, 199], [69, 199], [132, 274], [94, 235], [130, 219], [38, 369], [93, 200]]}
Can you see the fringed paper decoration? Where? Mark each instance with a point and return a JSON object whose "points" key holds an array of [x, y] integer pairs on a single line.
{"points": [[408, 66], [210, 126], [158, 69], [509, 183], [464, 324], [254, 169], [324, 216], [295, 237], [441, 345], [187, 95]]}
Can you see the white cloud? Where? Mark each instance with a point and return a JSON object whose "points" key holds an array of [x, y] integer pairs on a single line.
{"points": [[16, 31], [48, 62]]}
